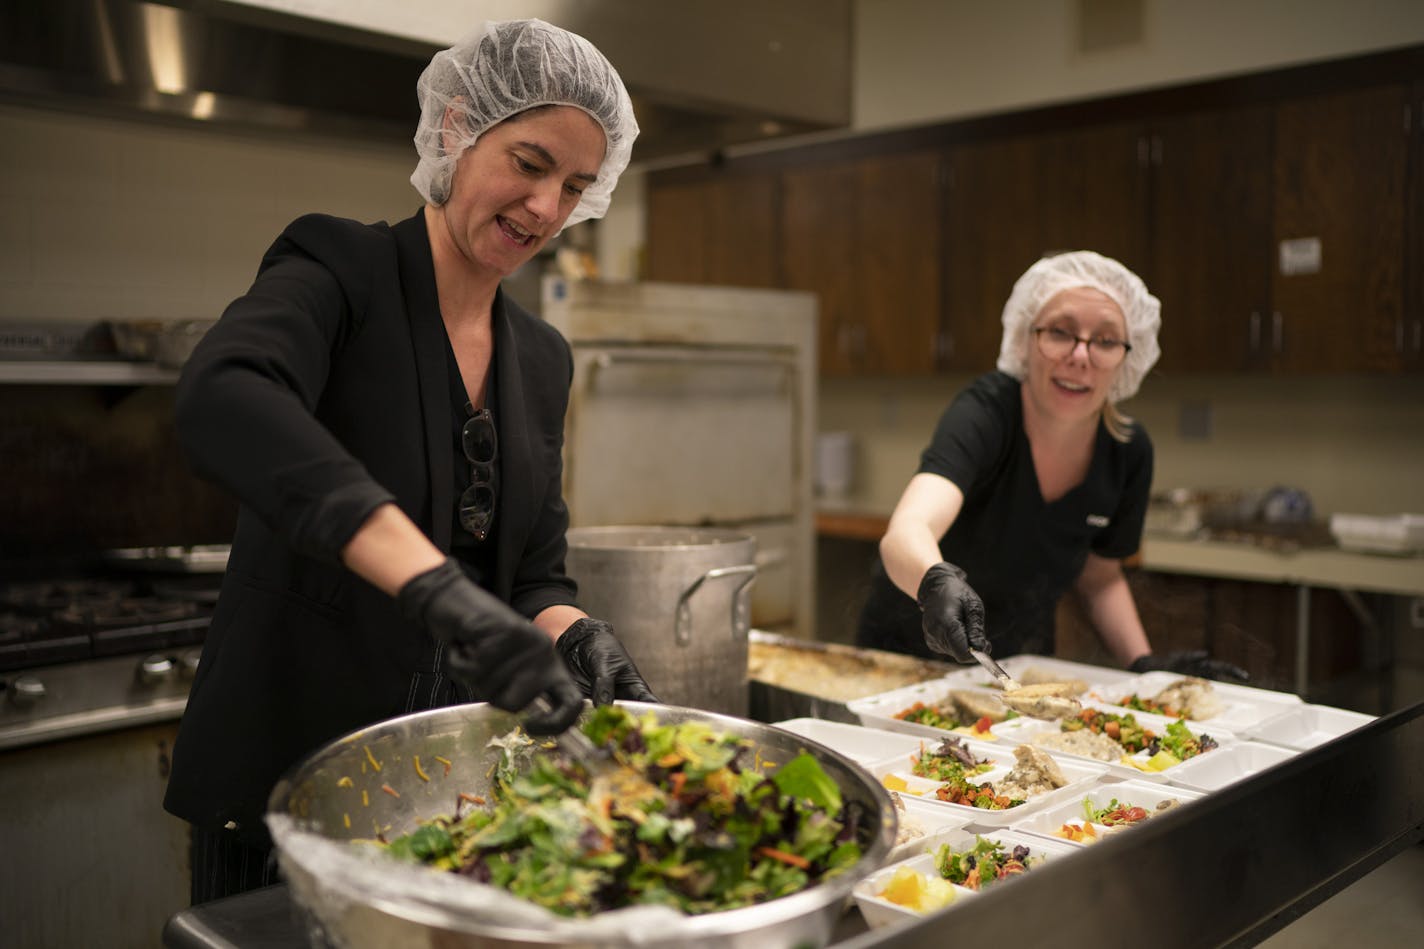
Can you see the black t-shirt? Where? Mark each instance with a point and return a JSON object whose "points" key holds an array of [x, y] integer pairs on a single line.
{"points": [[1020, 553]]}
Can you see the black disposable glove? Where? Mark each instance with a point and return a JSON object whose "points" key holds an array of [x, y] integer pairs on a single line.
{"points": [[953, 613], [1193, 663], [599, 663], [501, 656]]}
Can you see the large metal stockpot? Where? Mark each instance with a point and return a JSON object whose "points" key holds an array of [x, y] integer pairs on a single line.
{"points": [[680, 601], [389, 776]]}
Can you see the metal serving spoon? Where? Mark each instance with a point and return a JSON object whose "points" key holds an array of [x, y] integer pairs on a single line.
{"points": [[1033, 701]]}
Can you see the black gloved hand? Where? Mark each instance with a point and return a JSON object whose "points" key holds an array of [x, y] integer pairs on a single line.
{"points": [[1193, 663], [501, 656], [953, 613], [599, 663]]}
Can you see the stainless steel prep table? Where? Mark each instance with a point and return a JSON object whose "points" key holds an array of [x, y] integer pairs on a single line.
{"points": [[1235, 868]]}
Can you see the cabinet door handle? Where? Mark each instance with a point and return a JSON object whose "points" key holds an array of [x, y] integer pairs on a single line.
{"points": [[1276, 331], [1255, 331], [1418, 336]]}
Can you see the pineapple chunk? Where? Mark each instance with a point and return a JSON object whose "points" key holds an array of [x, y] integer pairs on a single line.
{"points": [[914, 890]]}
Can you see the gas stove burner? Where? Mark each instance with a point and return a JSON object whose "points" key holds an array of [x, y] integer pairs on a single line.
{"points": [[104, 614], [43, 598]]}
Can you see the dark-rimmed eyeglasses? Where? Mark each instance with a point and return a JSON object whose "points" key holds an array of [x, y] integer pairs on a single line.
{"points": [[481, 447], [1104, 352]]}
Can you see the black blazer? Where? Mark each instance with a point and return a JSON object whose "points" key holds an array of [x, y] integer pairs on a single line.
{"points": [[322, 393]]}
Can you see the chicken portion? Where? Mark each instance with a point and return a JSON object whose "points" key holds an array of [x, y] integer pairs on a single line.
{"points": [[1050, 700], [1034, 772]]}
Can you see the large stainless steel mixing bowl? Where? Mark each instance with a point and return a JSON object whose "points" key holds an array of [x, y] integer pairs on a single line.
{"points": [[387, 777]]}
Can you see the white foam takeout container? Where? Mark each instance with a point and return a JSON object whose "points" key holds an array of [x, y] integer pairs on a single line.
{"points": [[1305, 726], [1027, 729], [1018, 667], [1081, 775], [1242, 707], [860, 744], [936, 821], [1144, 794], [1229, 764], [881, 912], [878, 711]]}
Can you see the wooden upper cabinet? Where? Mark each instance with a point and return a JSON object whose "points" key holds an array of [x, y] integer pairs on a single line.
{"points": [[990, 239], [720, 230], [1011, 201], [864, 236], [1409, 335], [1210, 249], [1340, 163]]}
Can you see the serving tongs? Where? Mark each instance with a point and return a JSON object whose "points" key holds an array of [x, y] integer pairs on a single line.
{"points": [[605, 772], [1044, 701]]}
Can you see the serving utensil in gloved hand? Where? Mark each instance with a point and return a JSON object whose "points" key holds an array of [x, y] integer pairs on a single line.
{"points": [[606, 774], [1045, 701]]}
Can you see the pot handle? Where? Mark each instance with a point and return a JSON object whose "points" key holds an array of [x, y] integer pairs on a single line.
{"points": [[741, 607]]}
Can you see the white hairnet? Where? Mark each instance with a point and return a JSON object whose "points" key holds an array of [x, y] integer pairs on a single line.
{"points": [[506, 67], [1083, 268]]}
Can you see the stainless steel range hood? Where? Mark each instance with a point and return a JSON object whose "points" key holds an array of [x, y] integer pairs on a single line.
{"points": [[703, 75]]}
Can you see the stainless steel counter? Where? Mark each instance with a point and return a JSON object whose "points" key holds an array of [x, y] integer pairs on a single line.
{"points": [[1235, 868]]}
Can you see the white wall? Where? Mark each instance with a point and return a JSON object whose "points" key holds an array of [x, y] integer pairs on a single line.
{"points": [[118, 219], [918, 61], [1353, 443]]}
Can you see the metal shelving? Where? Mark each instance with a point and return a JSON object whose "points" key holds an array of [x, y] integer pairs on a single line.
{"points": [[70, 372]]}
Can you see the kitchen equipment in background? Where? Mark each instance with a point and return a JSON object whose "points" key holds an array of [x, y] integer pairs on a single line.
{"points": [[95, 667], [318, 807], [835, 464], [176, 341], [798, 678], [679, 599], [1390, 534], [695, 407]]}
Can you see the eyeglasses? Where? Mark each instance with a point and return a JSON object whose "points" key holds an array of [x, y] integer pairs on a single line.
{"points": [[481, 445], [1104, 352]]}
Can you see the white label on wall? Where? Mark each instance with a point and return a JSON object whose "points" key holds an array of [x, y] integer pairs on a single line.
{"points": [[1300, 255]]}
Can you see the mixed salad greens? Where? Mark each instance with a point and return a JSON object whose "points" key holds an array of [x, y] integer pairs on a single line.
{"points": [[951, 758], [1123, 729], [984, 863], [698, 827]]}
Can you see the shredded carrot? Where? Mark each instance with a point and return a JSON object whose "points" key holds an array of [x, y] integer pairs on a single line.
{"points": [[390, 790], [670, 760], [371, 758], [787, 858], [345, 782], [472, 798], [423, 775], [365, 798], [446, 763], [677, 779], [346, 819]]}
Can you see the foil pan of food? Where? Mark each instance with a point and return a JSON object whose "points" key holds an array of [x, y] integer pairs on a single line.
{"points": [[799, 678]]}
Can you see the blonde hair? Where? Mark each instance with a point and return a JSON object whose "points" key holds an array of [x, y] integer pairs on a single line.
{"points": [[1118, 424]]}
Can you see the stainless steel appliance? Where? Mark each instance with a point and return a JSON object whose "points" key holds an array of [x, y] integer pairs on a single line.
{"points": [[695, 407], [95, 668], [679, 598]]}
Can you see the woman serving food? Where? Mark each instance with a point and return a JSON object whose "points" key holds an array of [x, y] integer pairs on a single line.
{"points": [[1034, 482], [392, 424]]}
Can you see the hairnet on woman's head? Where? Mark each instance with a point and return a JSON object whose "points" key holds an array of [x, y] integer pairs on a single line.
{"points": [[1083, 268], [502, 69]]}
